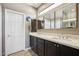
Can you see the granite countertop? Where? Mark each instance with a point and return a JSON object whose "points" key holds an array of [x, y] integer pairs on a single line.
{"points": [[64, 39]]}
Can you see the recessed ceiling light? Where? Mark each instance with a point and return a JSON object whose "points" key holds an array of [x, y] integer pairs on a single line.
{"points": [[35, 5]]}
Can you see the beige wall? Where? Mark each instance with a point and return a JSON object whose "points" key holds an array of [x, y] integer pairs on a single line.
{"points": [[0, 31], [27, 43], [78, 17], [21, 7]]}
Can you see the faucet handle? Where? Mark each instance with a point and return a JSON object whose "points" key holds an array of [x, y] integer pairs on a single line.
{"points": [[66, 37]]}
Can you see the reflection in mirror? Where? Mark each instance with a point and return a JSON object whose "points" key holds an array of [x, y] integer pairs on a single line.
{"points": [[46, 22], [58, 19], [64, 17], [40, 23], [69, 16], [52, 23]]}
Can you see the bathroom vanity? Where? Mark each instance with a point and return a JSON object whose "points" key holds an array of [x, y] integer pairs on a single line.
{"points": [[54, 44]]}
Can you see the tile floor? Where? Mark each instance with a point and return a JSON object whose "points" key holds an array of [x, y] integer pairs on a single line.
{"points": [[24, 53]]}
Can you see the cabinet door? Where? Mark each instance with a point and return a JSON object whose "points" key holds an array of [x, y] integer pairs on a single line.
{"points": [[40, 47], [50, 48], [75, 52], [66, 51], [33, 43], [58, 50]]}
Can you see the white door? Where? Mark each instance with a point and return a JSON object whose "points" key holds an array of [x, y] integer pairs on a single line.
{"points": [[14, 32], [0, 31]]}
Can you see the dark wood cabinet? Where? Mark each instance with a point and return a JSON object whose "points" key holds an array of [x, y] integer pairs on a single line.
{"points": [[47, 48], [55, 49], [68, 51], [75, 52], [37, 45], [40, 47], [50, 48], [58, 49], [33, 43], [34, 24]]}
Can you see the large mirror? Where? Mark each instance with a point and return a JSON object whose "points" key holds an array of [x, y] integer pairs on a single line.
{"points": [[63, 17]]}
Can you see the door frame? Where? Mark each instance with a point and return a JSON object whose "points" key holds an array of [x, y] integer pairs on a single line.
{"points": [[9, 10]]}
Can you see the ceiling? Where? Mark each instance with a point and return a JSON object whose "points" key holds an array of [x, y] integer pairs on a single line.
{"points": [[35, 5]]}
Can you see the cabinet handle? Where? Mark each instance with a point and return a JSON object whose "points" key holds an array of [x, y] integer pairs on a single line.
{"points": [[57, 45], [54, 44]]}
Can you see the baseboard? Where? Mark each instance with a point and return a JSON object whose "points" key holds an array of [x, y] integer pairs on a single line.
{"points": [[27, 49]]}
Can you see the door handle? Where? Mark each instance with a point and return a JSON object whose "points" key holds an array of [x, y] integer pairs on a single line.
{"points": [[9, 35], [57, 45], [54, 44]]}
